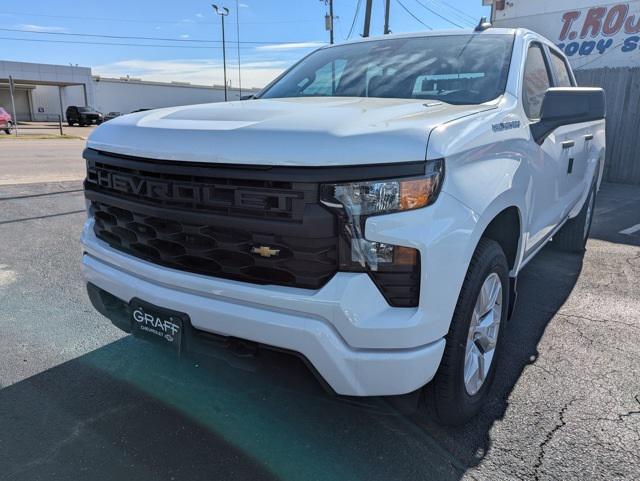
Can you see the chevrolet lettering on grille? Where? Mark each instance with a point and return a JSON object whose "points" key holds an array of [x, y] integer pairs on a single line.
{"points": [[194, 193]]}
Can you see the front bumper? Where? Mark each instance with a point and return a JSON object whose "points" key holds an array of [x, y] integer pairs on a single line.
{"points": [[355, 372]]}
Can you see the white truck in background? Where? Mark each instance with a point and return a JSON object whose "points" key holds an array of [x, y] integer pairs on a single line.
{"points": [[369, 211]]}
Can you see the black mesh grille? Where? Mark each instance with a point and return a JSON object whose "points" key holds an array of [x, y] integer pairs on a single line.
{"points": [[217, 250], [193, 218]]}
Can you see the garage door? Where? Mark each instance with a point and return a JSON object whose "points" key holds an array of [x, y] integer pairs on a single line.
{"points": [[21, 98]]}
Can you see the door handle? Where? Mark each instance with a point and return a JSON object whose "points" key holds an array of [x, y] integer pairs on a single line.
{"points": [[567, 144], [588, 137]]}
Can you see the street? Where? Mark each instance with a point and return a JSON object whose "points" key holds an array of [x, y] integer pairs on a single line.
{"points": [[45, 160], [79, 399]]}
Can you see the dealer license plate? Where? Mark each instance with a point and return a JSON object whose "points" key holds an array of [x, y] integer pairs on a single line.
{"points": [[157, 324]]}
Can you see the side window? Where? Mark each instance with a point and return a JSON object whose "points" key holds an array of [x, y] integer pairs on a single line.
{"points": [[563, 77], [536, 81]]}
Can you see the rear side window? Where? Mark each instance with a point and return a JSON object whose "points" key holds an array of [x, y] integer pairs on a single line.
{"points": [[563, 77], [536, 81]]}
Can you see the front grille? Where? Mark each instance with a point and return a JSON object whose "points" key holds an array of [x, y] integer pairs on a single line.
{"points": [[263, 225], [217, 250], [193, 219]]}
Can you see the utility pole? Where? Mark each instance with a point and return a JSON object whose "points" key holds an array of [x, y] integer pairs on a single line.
{"points": [[238, 39], [387, 6], [331, 21], [223, 12], [367, 19], [328, 20]]}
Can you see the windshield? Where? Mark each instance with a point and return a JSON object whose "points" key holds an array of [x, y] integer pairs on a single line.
{"points": [[459, 69]]}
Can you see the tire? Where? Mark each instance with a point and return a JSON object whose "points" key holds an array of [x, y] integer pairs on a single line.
{"points": [[572, 237], [70, 123], [451, 398], [9, 128]]}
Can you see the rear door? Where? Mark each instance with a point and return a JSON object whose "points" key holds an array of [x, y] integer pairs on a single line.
{"points": [[578, 137]]}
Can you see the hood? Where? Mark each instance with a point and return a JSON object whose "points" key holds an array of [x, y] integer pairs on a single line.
{"points": [[298, 132]]}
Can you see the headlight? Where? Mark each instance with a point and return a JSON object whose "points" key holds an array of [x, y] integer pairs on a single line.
{"points": [[385, 196], [355, 201]]}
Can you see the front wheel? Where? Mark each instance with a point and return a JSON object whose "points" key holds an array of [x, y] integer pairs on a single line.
{"points": [[574, 234], [9, 128], [473, 343]]}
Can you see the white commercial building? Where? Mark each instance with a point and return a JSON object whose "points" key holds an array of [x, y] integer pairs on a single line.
{"points": [[42, 92], [592, 33]]}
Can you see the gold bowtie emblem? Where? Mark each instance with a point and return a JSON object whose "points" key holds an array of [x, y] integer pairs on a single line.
{"points": [[265, 251]]}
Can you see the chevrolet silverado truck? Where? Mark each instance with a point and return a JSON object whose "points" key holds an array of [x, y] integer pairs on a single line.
{"points": [[369, 211]]}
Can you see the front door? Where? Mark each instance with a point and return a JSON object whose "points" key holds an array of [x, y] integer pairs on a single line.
{"points": [[547, 162]]}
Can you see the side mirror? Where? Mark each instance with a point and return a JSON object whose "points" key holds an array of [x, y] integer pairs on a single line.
{"points": [[566, 106]]}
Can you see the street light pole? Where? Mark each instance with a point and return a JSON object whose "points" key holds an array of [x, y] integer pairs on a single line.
{"points": [[238, 41], [223, 12]]}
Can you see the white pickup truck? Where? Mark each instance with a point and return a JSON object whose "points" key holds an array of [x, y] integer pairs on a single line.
{"points": [[369, 211]]}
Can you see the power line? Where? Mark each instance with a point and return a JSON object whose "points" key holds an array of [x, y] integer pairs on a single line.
{"points": [[411, 13], [126, 20], [461, 13], [454, 15], [128, 37], [439, 15], [117, 44], [355, 19]]}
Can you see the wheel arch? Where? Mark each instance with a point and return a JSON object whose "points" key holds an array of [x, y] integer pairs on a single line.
{"points": [[506, 229], [505, 226]]}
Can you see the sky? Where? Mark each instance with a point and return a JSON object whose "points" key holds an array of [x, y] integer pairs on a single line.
{"points": [[180, 40]]}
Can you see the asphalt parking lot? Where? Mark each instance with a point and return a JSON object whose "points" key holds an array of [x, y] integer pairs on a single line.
{"points": [[80, 400]]}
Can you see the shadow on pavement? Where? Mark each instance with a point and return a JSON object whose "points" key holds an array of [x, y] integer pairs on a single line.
{"points": [[131, 411]]}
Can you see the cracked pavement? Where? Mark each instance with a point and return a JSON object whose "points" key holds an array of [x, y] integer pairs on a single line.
{"points": [[79, 400]]}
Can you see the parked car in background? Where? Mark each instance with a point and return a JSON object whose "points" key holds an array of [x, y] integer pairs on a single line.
{"points": [[112, 115], [83, 116], [370, 210], [6, 123]]}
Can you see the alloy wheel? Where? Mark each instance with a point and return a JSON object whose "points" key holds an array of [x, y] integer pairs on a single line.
{"points": [[483, 334]]}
